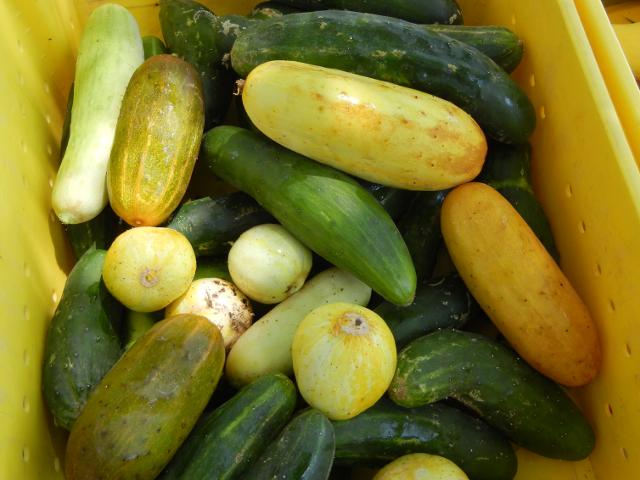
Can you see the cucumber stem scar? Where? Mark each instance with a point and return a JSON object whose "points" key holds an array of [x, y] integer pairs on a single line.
{"points": [[149, 277]]}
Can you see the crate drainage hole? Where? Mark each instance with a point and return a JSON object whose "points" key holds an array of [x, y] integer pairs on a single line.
{"points": [[25, 358], [26, 405], [628, 349], [56, 464], [612, 305], [568, 191], [54, 297], [25, 312], [609, 409], [625, 454], [513, 19], [543, 113], [25, 454], [582, 227], [532, 80], [598, 270]]}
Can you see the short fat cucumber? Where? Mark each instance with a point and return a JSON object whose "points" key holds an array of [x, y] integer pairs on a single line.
{"points": [[325, 209], [494, 382], [81, 344], [398, 52], [304, 450], [387, 431], [442, 302], [418, 11], [226, 441], [147, 404]]}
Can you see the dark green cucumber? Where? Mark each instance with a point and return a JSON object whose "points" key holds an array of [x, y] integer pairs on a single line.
{"points": [[398, 52], [189, 30], [508, 169], [494, 382], [265, 10], [498, 43], [234, 435], [98, 232], [227, 28], [82, 343], [420, 228], [137, 324], [145, 406], [211, 224], [152, 46], [325, 209], [212, 268], [417, 11], [443, 302], [304, 450], [394, 200], [386, 431]]}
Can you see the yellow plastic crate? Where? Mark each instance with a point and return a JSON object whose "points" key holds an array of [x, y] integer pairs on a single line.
{"points": [[584, 173]]}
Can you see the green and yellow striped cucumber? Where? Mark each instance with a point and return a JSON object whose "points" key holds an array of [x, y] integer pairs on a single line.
{"points": [[417, 11], [212, 224], [420, 228], [442, 302], [110, 51], [495, 383], [398, 52], [325, 209], [152, 46], [227, 440], [387, 431], [147, 404], [82, 342], [304, 450], [189, 30], [157, 141], [507, 168]]}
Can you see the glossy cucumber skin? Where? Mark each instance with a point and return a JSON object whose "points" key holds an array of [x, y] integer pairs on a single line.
{"points": [[211, 224], [418, 11], [234, 435], [387, 431], [398, 52], [304, 450], [442, 302], [394, 200], [82, 342], [508, 169], [324, 208], [494, 382], [147, 404], [420, 228], [188, 28], [157, 141]]}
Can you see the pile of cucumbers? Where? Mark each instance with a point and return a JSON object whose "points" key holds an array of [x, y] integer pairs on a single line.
{"points": [[389, 144]]}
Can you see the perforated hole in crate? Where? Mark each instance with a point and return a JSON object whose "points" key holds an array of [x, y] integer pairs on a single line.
{"points": [[26, 454], [542, 112]]}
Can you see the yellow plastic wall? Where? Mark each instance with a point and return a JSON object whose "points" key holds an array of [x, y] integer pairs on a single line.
{"points": [[584, 170]]}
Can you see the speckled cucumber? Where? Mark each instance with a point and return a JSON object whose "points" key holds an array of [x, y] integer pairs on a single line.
{"points": [[234, 435], [227, 28], [418, 11], [387, 431], [442, 302], [304, 450], [82, 343], [265, 10], [325, 209], [508, 169], [494, 382], [211, 224], [398, 52], [189, 29], [146, 405]]}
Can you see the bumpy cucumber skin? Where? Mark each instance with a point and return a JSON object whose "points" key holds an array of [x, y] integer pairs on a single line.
{"points": [[234, 435], [442, 302], [211, 224], [304, 450], [82, 343], [189, 29], [494, 382], [387, 431], [418, 11], [398, 52], [146, 405], [325, 209], [507, 168]]}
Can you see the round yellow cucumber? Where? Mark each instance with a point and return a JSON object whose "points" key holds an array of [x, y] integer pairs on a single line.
{"points": [[344, 358], [421, 466], [147, 268], [372, 129], [519, 285]]}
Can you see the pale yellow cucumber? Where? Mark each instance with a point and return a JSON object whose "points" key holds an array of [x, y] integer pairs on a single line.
{"points": [[519, 285], [421, 466], [379, 131], [266, 346]]}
